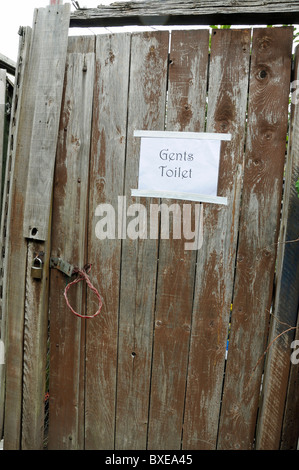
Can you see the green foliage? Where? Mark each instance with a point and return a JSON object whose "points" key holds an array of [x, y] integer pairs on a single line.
{"points": [[220, 26], [296, 34], [297, 187]]}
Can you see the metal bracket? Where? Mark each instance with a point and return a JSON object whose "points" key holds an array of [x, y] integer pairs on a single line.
{"points": [[63, 266]]}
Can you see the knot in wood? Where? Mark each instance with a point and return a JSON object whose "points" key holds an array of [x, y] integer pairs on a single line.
{"points": [[263, 74]]}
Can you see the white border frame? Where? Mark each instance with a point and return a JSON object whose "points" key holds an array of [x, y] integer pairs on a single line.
{"points": [[177, 195], [183, 135]]}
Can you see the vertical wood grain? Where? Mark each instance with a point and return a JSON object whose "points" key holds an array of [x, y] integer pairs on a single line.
{"points": [[2, 319], [146, 110], [2, 121], [188, 64], [16, 246], [285, 308], [258, 233], [24, 45], [48, 66], [150, 371], [35, 349], [69, 232], [227, 98], [107, 167], [48, 54]]}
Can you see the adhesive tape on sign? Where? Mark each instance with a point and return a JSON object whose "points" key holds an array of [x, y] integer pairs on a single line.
{"points": [[2, 361]]}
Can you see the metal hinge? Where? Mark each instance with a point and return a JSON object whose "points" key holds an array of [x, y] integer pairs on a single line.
{"points": [[63, 266]]}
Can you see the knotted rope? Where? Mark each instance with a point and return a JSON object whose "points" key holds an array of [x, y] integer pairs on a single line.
{"points": [[83, 276]]}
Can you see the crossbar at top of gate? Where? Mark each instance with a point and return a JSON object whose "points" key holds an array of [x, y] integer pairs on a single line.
{"points": [[188, 12]]}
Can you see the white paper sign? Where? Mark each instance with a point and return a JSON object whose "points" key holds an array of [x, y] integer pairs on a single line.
{"points": [[183, 165], [187, 164]]}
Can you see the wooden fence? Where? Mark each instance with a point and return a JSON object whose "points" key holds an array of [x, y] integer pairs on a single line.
{"points": [[153, 370], [6, 94]]}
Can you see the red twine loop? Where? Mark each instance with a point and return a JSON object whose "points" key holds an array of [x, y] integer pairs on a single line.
{"points": [[83, 276]]}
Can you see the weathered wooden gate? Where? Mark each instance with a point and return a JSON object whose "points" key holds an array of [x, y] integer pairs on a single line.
{"points": [[153, 370]]}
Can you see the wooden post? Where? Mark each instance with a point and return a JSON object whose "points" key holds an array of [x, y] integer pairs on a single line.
{"points": [[2, 330], [2, 120], [34, 147], [50, 44], [48, 72]]}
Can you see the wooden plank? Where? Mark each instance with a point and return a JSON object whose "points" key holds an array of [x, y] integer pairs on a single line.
{"points": [[51, 22], [175, 279], [2, 260], [261, 204], [10, 97], [35, 350], [7, 64], [21, 290], [286, 300], [227, 100], [175, 12], [70, 216], [2, 123], [15, 246], [107, 168], [146, 110], [49, 55], [290, 429]]}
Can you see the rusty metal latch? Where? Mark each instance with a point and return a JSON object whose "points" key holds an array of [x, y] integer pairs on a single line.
{"points": [[61, 265]]}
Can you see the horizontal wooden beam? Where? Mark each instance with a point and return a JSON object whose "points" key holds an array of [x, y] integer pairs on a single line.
{"points": [[7, 64], [188, 12]]}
